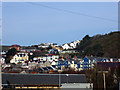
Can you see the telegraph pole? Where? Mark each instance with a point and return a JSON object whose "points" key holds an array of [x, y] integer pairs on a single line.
{"points": [[104, 72], [59, 80], [104, 81]]}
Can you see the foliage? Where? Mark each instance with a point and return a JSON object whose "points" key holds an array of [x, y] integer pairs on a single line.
{"points": [[10, 54], [100, 45], [96, 78]]}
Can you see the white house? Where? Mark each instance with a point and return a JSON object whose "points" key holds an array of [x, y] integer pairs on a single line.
{"points": [[19, 57], [52, 57], [71, 45], [46, 45], [49, 58], [65, 46], [41, 58], [54, 63]]}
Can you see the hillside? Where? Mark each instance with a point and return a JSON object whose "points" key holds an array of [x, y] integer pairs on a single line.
{"points": [[5, 48], [107, 45]]}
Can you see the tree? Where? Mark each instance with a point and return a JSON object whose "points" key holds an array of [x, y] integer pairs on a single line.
{"points": [[85, 42], [100, 45], [10, 54]]}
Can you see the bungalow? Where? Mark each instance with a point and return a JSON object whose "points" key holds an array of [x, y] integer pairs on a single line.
{"points": [[19, 57]]}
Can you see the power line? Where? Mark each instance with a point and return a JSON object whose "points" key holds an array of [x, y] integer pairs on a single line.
{"points": [[72, 12]]}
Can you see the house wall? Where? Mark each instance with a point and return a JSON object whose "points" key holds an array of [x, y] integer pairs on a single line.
{"points": [[72, 65], [68, 51], [65, 46], [48, 58], [19, 57]]}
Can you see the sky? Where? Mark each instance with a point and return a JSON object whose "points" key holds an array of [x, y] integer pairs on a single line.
{"points": [[56, 22]]}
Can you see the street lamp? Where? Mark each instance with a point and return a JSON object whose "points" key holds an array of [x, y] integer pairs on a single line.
{"points": [[67, 77]]}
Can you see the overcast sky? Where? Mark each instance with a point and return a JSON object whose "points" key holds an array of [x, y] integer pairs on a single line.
{"points": [[59, 22]]}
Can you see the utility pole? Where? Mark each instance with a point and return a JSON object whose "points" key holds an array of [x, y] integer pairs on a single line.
{"points": [[104, 80], [59, 80]]}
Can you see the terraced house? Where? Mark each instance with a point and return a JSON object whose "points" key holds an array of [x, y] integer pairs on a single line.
{"points": [[46, 58]]}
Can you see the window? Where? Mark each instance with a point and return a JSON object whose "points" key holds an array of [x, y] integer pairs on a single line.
{"points": [[19, 59], [15, 60], [23, 55], [22, 60]]}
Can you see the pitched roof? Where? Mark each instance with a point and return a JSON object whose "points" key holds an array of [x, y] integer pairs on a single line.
{"points": [[15, 45], [42, 79]]}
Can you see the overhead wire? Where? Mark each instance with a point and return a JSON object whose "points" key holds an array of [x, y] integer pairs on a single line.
{"points": [[72, 12]]}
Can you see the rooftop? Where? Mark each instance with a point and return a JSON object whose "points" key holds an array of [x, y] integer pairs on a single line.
{"points": [[41, 79]]}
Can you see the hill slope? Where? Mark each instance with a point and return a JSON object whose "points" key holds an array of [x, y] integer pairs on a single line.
{"points": [[107, 45]]}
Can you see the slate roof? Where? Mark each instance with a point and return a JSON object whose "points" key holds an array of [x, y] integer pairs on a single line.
{"points": [[42, 79], [76, 62], [61, 61], [100, 59]]}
